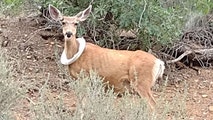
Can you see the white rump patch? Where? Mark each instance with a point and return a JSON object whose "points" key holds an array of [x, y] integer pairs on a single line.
{"points": [[158, 70], [82, 45]]}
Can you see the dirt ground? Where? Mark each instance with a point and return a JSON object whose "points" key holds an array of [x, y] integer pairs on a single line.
{"points": [[36, 59]]}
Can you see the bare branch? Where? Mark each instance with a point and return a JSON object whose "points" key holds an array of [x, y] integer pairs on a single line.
{"points": [[199, 51]]}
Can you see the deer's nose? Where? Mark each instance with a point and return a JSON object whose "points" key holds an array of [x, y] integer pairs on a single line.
{"points": [[68, 34]]}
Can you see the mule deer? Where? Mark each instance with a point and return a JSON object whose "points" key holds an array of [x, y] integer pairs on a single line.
{"points": [[119, 67]]}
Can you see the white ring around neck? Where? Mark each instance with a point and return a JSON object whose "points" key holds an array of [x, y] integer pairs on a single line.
{"points": [[82, 45]]}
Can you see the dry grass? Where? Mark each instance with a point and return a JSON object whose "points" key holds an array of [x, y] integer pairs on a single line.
{"points": [[10, 91], [93, 101]]}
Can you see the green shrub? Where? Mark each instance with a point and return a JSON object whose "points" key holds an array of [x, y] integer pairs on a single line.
{"points": [[154, 22], [10, 7]]}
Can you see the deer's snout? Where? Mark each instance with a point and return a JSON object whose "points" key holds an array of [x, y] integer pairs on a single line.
{"points": [[68, 34]]}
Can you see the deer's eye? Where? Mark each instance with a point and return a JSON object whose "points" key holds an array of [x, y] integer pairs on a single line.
{"points": [[63, 23], [76, 24]]}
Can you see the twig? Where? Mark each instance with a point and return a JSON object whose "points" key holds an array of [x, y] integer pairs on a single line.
{"points": [[139, 24], [180, 57], [34, 33]]}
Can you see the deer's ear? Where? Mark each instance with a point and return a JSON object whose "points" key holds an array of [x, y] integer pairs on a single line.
{"points": [[55, 13], [83, 15]]}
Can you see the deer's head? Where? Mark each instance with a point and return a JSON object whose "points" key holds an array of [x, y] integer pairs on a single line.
{"points": [[69, 24]]}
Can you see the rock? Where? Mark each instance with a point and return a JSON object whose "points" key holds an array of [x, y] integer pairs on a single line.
{"points": [[5, 43], [37, 70], [1, 31], [31, 69], [52, 43], [211, 108], [29, 57], [177, 86], [204, 96], [196, 80]]}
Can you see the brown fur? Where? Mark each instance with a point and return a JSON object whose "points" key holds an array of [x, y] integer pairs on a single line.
{"points": [[119, 67]]}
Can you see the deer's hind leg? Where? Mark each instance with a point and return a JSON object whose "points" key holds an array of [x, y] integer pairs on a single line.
{"points": [[142, 83]]}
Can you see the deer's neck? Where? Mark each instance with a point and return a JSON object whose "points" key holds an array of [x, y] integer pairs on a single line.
{"points": [[71, 47]]}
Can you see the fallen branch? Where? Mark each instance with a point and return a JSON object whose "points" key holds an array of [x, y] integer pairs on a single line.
{"points": [[199, 51]]}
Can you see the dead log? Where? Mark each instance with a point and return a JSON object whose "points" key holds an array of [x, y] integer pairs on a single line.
{"points": [[208, 52]]}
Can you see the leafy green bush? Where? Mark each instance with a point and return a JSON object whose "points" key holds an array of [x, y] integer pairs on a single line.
{"points": [[10, 7], [154, 22]]}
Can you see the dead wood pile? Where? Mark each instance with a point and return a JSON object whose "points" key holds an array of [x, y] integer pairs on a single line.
{"points": [[196, 44]]}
